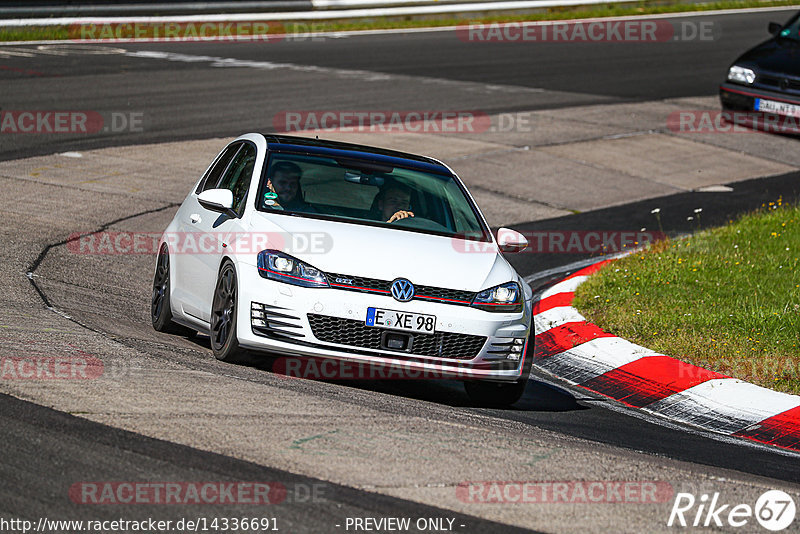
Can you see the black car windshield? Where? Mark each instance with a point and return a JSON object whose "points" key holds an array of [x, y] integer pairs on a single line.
{"points": [[369, 193]]}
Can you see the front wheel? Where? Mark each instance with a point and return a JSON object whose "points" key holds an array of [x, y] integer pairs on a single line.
{"points": [[224, 342], [495, 394], [160, 310]]}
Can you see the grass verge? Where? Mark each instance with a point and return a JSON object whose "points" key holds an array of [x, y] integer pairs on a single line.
{"points": [[726, 299], [64, 32]]}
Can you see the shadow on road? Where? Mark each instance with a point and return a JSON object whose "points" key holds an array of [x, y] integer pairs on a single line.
{"points": [[539, 396]]}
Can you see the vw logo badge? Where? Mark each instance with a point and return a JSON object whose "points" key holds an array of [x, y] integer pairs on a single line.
{"points": [[402, 290]]}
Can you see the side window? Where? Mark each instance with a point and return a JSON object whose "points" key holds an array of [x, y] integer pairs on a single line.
{"points": [[212, 176], [237, 177]]}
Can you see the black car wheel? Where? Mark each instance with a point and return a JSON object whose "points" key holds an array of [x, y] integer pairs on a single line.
{"points": [[495, 394], [160, 310], [224, 343]]}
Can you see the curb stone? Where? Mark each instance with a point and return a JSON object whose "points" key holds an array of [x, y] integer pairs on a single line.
{"points": [[582, 354]]}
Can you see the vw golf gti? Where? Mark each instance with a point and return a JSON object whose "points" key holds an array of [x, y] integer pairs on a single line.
{"points": [[315, 249]]}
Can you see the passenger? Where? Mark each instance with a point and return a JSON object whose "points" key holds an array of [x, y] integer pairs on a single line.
{"points": [[284, 191], [393, 202]]}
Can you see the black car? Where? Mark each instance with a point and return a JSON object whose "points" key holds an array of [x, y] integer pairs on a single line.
{"points": [[765, 81]]}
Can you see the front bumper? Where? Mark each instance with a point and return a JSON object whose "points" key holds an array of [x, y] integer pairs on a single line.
{"points": [[329, 323], [742, 98], [739, 102]]}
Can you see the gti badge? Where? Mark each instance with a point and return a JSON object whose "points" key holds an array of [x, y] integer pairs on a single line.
{"points": [[402, 290]]}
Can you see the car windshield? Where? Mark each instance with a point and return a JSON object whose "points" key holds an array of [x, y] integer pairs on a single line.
{"points": [[368, 193]]}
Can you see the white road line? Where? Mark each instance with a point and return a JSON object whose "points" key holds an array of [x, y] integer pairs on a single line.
{"points": [[361, 75], [72, 49], [15, 52]]}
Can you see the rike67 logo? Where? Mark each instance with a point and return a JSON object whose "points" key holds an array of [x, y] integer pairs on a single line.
{"points": [[774, 510]]}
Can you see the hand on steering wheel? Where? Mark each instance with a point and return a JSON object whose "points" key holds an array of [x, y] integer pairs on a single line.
{"points": [[402, 214]]}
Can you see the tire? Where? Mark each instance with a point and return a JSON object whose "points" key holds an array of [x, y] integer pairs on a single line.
{"points": [[160, 309], [224, 342], [495, 394]]}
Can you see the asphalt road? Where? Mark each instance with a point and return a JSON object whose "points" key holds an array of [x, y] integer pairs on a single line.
{"points": [[545, 404], [46, 452], [195, 93], [186, 92]]}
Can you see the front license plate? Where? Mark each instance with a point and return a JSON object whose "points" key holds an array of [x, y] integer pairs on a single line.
{"points": [[782, 108], [398, 320]]}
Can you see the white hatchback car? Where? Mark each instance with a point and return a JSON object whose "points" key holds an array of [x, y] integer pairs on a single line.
{"points": [[308, 248]]}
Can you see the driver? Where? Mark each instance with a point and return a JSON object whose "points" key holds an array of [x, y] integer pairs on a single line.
{"points": [[394, 202], [284, 186]]}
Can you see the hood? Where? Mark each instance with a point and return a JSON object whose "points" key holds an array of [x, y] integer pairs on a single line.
{"points": [[777, 56], [387, 253]]}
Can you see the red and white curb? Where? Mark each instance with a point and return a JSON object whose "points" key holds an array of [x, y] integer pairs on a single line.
{"points": [[579, 352]]}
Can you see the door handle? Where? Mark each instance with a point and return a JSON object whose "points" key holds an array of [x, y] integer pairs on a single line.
{"points": [[195, 218]]}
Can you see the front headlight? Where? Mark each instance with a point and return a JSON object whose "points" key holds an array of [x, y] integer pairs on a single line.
{"points": [[278, 266], [741, 75], [503, 298]]}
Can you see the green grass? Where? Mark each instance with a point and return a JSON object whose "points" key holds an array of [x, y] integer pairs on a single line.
{"points": [[727, 299], [32, 33]]}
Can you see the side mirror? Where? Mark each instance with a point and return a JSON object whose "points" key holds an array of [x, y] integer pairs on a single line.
{"points": [[510, 240], [220, 200], [774, 28]]}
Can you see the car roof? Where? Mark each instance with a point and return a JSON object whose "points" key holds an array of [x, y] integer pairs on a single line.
{"points": [[321, 147]]}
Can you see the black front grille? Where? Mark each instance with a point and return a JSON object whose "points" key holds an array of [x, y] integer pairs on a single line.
{"points": [[383, 287], [438, 293], [267, 321], [355, 333], [769, 80], [357, 283], [778, 82]]}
